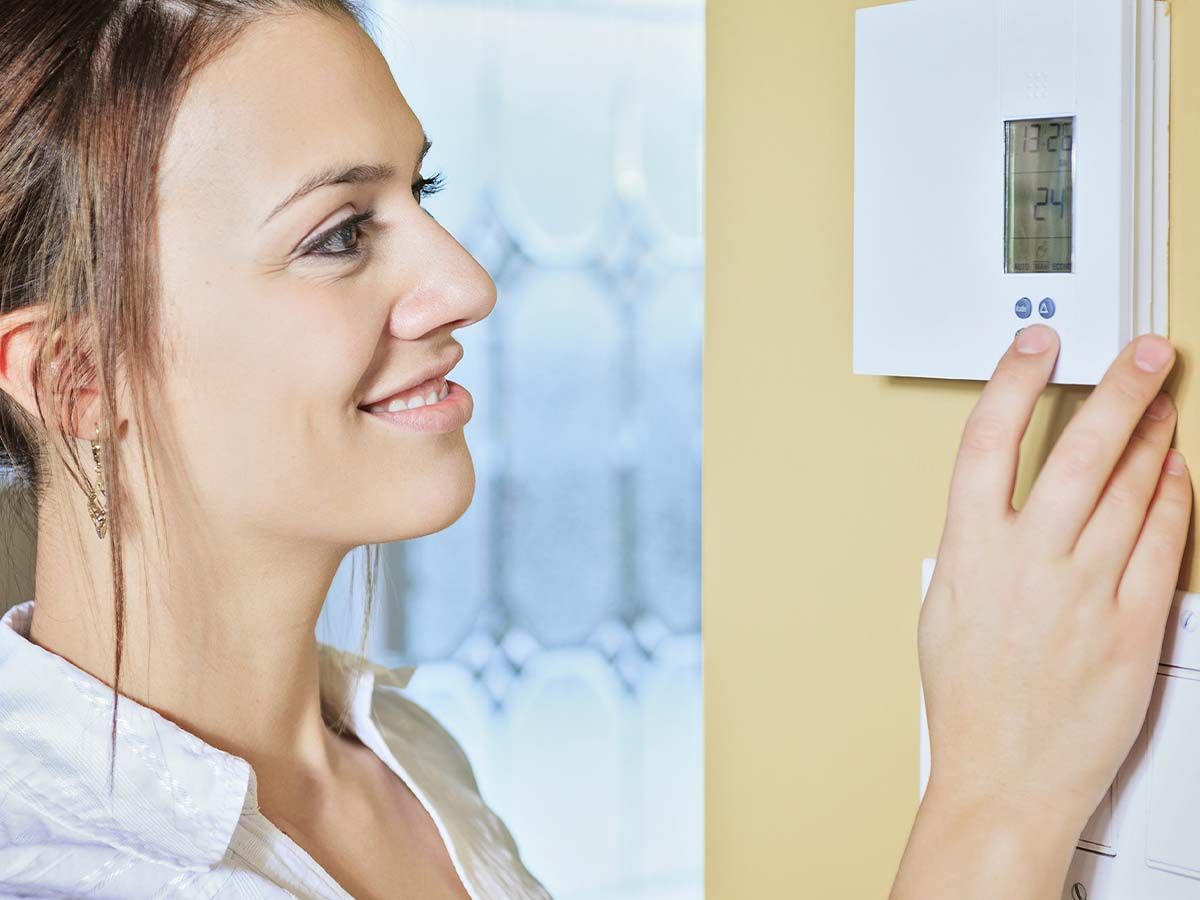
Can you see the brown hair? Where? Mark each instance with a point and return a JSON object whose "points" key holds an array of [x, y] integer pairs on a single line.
{"points": [[88, 91]]}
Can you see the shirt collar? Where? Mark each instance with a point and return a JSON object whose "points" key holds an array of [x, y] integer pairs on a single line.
{"points": [[176, 799]]}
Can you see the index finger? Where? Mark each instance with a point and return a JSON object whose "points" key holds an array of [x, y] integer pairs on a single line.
{"points": [[985, 471]]}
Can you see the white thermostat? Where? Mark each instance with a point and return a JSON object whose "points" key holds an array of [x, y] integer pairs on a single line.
{"points": [[1010, 167]]}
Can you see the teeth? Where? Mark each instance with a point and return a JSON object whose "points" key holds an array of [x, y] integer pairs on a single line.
{"points": [[429, 399]]}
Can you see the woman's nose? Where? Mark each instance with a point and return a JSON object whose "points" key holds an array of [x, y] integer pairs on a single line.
{"points": [[448, 287]]}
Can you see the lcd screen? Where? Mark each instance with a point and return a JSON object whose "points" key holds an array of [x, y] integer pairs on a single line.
{"points": [[1039, 173]]}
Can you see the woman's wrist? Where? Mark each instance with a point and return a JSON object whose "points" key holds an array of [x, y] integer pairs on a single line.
{"points": [[1048, 818], [968, 844]]}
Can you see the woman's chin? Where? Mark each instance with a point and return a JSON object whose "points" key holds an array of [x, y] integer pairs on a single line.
{"points": [[429, 502]]}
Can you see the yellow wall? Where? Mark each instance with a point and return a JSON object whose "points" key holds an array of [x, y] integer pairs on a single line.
{"points": [[824, 490]]}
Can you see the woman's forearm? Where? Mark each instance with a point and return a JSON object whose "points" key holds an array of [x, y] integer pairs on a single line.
{"points": [[981, 849]]}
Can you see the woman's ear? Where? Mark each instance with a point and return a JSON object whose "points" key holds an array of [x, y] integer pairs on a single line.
{"points": [[22, 333], [20, 337]]}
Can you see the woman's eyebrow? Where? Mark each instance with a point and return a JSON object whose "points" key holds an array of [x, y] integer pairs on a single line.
{"points": [[360, 173]]}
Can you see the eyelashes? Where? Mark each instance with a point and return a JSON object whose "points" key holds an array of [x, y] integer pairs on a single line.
{"points": [[346, 234], [427, 187]]}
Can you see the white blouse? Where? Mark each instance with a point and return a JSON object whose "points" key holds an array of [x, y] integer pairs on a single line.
{"points": [[183, 819]]}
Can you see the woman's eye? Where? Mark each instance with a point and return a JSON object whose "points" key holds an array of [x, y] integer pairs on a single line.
{"points": [[344, 236], [342, 241]]}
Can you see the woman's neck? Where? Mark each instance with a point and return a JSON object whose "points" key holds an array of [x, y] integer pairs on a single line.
{"points": [[221, 642]]}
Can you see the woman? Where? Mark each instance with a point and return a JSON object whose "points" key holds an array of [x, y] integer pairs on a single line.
{"points": [[1041, 631], [216, 283]]}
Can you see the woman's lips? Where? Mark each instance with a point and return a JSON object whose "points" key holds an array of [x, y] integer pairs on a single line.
{"points": [[446, 415]]}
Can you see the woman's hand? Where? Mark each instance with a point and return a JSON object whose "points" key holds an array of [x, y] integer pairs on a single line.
{"points": [[1041, 631]]}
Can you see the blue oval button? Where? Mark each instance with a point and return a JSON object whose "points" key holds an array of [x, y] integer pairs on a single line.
{"points": [[1046, 308], [1024, 308]]}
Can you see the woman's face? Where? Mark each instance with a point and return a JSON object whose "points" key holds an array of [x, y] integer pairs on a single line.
{"points": [[281, 322]]}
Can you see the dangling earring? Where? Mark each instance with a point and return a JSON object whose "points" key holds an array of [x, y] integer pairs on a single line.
{"points": [[96, 497]]}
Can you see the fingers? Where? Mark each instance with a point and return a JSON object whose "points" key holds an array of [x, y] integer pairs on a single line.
{"points": [[1148, 585], [1113, 529], [986, 467], [1073, 478]]}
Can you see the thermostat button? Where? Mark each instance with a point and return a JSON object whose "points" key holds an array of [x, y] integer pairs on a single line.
{"points": [[1046, 308], [1024, 308]]}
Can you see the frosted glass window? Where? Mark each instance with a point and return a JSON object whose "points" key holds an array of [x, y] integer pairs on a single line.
{"points": [[557, 624]]}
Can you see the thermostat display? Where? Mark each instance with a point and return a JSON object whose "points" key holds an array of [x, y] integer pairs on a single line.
{"points": [[1039, 175]]}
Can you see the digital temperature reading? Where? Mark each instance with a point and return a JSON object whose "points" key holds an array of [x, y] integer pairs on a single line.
{"points": [[1039, 173]]}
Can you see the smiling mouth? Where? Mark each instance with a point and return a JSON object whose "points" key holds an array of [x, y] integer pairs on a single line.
{"points": [[451, 409], [428, 393]]}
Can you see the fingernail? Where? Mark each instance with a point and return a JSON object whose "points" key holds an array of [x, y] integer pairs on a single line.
{"points": [[1175, 462], [1152, 353], [1033, 340], [1160, 408]]}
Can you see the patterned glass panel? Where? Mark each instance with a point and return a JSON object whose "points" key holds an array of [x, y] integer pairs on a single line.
{"points": [[557, 623]]}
